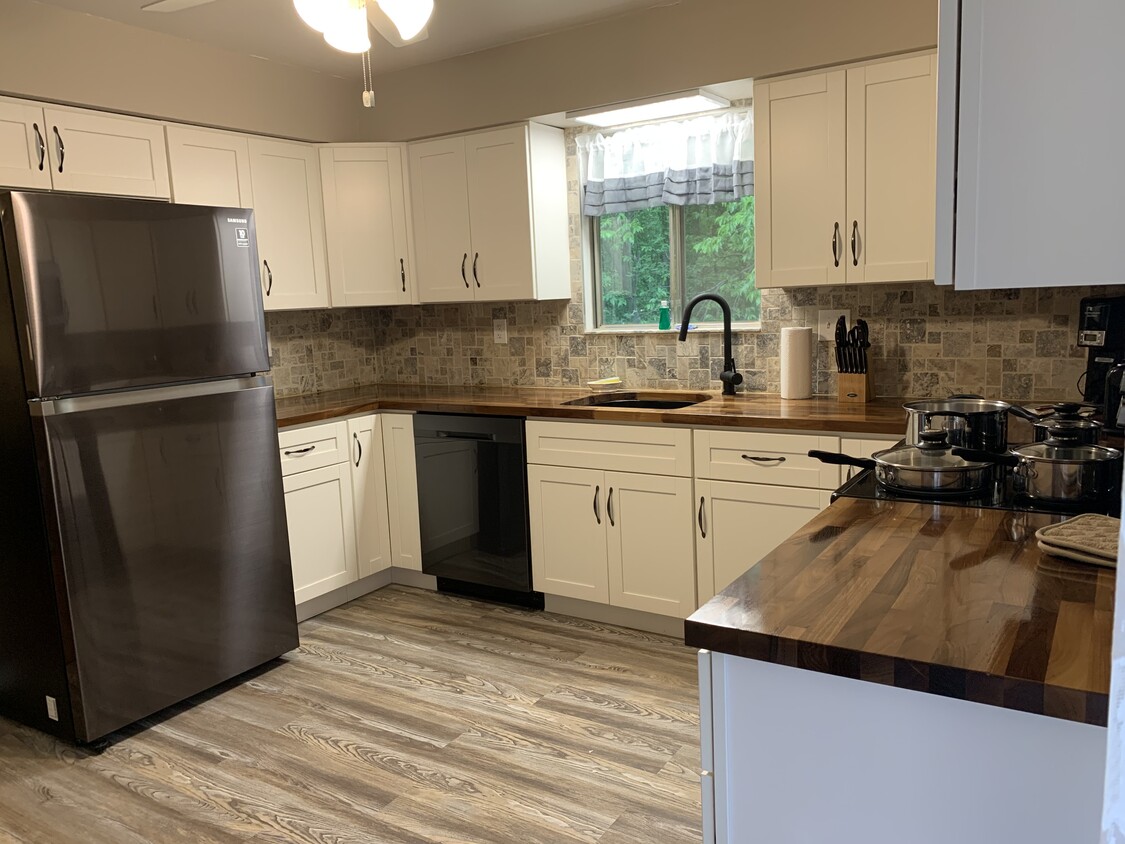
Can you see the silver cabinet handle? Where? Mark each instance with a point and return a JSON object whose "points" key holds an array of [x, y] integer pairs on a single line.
{"points": [[477, 280], [464, 258], [300, 451], [402, 272], [60, 146], [609, 508], [269, 277], [40, 146], [756, 459], [359, 448], [702, 529], [597, 514]]}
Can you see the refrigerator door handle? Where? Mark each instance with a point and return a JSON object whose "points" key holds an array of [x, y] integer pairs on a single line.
{"points": [[124, 398]]}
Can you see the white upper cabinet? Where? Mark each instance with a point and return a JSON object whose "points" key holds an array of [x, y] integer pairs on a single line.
{"points": [[209, 167], [490, 216], [1037, 93], [23, 146], [93, 152], [891, 142], [289, 215], [844, 175], [369, 259], [800, 180]]}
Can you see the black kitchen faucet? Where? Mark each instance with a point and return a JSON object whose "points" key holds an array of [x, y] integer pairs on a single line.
{"points": [[730, 376]]}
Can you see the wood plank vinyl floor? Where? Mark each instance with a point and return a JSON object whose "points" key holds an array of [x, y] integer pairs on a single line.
{"points": [[406, 717]]}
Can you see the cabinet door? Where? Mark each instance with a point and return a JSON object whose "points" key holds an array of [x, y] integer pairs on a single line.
{"points": [[402, 490], [500, 215], [1021, 118], [365, 225], [442, 238], [891, 145], [101, 153], [568, 532], [289, 213], [738, 524], [23, 146], [209, 168], [651, 552], [800, 174], [369, 489], [318, 507]]}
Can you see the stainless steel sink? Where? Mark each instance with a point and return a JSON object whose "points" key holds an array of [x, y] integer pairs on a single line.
{"points": [[638, 400]]}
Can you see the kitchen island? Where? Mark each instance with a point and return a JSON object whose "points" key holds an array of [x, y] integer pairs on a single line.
{"points": [[902, 671]]}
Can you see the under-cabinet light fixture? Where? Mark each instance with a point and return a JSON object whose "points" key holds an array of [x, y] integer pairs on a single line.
{"points": [[651, 108]]}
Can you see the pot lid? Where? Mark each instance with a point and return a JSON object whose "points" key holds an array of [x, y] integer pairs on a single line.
{"points": [[1066, 451], [932, 452], [958, 404]]}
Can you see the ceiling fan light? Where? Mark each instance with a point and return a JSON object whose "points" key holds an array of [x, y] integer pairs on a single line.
{"points": [[409, 16], [347, 32], [321, 15]]}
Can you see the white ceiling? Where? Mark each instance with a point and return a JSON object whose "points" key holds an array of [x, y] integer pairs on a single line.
{"points": [[272, 30]]}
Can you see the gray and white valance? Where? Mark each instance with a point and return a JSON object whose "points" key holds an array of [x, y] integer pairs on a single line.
{"points": [[701, 161]]}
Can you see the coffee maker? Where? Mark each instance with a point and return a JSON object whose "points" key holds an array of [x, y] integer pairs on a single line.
{"points": [[1101, 329]]}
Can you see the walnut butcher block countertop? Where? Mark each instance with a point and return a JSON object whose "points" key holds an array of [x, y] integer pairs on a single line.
{"points": [[950, 600], [747, 410]]}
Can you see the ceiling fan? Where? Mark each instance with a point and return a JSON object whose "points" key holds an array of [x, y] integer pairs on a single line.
{"points": [[400, 22]]}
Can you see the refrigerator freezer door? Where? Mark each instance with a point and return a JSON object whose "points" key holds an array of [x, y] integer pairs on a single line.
{"points": [[117, 293], [171, 534]]}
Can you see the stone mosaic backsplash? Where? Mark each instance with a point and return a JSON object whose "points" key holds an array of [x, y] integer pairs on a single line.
{"points": [[926, 341]]}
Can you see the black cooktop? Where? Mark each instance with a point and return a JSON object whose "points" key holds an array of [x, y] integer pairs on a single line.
{"points": [[1000, 495]]}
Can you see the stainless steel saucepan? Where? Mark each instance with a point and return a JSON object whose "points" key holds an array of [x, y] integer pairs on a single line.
{"points": [[968, 422]]}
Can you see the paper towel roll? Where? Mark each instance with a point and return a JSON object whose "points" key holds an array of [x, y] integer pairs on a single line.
{"points": [[796, 363]]}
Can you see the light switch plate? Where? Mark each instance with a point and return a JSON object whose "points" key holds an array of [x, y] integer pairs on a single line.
{"points": [[826, 323], [500, 331]]}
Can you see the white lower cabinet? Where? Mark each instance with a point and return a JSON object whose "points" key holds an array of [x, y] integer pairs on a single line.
{"points": [[568, 542], [738, 524], [322, 542], [369, 491], [613, 538], [402, 490]]}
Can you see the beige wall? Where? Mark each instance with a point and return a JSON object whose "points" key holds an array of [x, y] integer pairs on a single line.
{"points": [[693, 43], [58, 55]]}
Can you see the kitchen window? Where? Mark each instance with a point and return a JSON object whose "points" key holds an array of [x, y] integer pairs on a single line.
{"points": [[669, 210]]}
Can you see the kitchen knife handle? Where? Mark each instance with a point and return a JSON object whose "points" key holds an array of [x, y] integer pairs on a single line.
{"points": [[855, 238], [40, 146], [836, 244]]}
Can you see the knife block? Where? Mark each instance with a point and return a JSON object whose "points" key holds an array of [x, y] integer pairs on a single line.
{"points": [[854, 387]]}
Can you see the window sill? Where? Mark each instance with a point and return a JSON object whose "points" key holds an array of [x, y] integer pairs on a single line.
{"points": [[707, 328]]}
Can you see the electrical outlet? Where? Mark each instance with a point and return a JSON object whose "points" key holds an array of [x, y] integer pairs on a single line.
{"points": [[826, 323], [500, 331]]}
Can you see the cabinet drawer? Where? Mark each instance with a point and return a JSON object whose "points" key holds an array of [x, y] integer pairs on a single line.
{"points": [[779, 459], [611, 448], [311, 448]]}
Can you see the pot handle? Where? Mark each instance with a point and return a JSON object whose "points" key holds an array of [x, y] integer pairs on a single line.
{"points": [[987, 457], [835, 459], [1023, 413]]}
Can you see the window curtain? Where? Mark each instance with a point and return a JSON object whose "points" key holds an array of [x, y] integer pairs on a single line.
{"points": [[692, 162]]}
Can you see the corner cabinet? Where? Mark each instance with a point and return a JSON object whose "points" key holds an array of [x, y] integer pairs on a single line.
{"points": [[289, 215], [1008, 118], [402, 490], [365, 218], [844, 175], [369, 494], [490, 216]]}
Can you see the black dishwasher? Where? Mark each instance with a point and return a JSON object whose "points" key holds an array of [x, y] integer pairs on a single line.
{"points": [[472, 506]]}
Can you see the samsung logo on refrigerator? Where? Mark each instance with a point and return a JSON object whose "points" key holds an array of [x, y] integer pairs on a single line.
{"points": [[236, 220]]}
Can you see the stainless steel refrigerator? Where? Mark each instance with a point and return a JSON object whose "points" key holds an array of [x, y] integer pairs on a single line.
{"points": [[144, 554]]}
